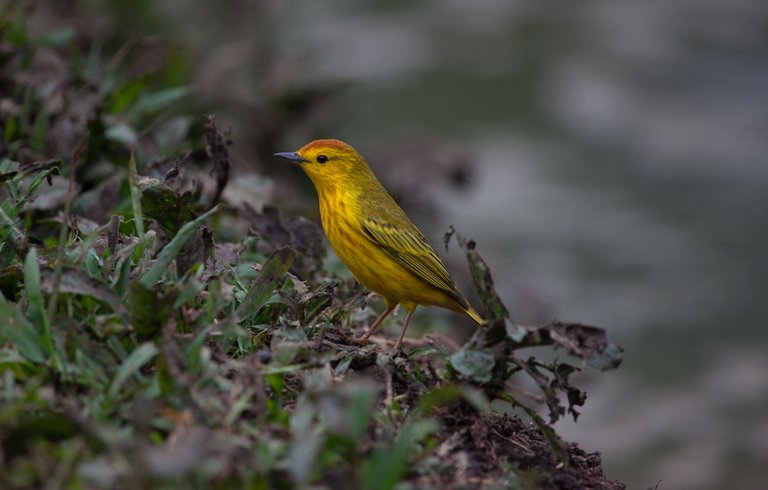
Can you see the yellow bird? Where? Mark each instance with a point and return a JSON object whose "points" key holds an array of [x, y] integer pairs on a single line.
{"points": [[372, 235]]}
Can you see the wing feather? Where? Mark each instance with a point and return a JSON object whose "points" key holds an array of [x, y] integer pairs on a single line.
{"points": [[410, 249]]}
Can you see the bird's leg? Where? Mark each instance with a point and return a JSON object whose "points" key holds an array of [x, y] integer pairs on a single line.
{"points": [[375, 325], [402, 332]]}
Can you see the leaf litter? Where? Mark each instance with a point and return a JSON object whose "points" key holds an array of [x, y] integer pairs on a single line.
{"points": [[180, 351]]}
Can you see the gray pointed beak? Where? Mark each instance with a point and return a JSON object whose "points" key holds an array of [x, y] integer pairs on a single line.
{"points": [[291, 155]]}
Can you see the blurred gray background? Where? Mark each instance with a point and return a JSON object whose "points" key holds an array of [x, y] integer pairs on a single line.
{"points": [[610, 157]]}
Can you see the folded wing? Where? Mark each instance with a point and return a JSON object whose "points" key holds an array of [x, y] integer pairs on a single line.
{"points": [[410, 249]]}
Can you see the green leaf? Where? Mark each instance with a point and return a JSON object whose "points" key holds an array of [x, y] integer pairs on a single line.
{"points": [[16, 30], [11, 129], [148, 310], [38, 179], [56, 37], [190, 291], [476, 365], [360, 409], [11, 281], [93, 264], [609, 357], [122, 132], [170, 251], [79, 282], [49, 426], [122, 275], [153, 102], [10, 357], [261, 289], [131, 366], [16, 238], [387, 466], [241, 404], [125, 95], [16, 328], [312, 306], [39, 130], [34, 292], [195, 348], [306, 444], [164, 205]]}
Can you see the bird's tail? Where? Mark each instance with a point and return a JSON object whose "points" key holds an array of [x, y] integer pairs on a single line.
{"points": [[461, 305], [474, 315]]}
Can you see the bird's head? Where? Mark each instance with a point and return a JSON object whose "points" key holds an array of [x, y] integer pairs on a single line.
{"points": [[330, 163]]}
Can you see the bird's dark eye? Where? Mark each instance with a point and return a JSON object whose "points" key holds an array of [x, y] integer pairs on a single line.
{"points": [[322, 158]]}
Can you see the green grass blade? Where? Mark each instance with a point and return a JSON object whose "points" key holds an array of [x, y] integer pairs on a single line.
{"points": [[171, 250], [15, 328], [272, 273], [15, 238], [388, 465], [37, 305], [34, 293], [152, 102], [133, 181], [131, 365]]}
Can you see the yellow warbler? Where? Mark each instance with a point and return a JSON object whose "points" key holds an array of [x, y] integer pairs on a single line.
{"points": [[372, 235]]}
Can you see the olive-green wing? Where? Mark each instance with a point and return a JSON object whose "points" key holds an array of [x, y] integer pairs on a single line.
{"points": [[410, 249]]}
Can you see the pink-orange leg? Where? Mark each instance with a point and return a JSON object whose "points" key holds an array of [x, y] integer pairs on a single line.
{"points": [[375, 325], [405, 327]]}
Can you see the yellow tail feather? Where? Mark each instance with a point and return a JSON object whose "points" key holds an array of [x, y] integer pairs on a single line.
{"points": [[474, 316]]}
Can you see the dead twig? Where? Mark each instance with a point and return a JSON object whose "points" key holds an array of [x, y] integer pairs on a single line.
{"points": [[216, 147]]}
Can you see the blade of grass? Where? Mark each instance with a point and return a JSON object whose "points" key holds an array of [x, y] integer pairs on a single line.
{"points": [[37, 305], [77, 281], [131, 365], [16, 238], [40, 177], [39, 129], [34, 294], [17, 329], [153, 102], [272, 272], [388, 465], [64, 231], [133, 181], [170, 251]]}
